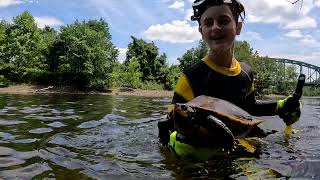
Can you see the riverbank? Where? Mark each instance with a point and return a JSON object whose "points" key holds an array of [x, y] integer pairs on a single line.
{"points": [[39, 89]]}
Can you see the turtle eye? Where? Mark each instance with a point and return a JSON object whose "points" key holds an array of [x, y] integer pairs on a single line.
{"points": [[181, 107], [184, 107]]}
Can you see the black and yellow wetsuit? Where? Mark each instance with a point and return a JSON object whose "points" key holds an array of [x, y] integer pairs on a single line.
{"points": [[232, 84], [205, 78]]}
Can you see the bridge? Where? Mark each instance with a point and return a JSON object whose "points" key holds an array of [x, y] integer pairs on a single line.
{"points": [[312, 72]]}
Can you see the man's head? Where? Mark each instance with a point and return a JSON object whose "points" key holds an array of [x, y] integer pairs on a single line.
{"points": [[218, 22]]}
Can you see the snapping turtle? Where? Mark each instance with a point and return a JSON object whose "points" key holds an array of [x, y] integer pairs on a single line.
{"points": [[211, 122]]}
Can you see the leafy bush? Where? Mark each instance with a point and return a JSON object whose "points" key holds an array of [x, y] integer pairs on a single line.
{"points": [[172, 78], [151, 85], [127, 75], [35, 75], [3, 81], [98, 84], [311, 91]]}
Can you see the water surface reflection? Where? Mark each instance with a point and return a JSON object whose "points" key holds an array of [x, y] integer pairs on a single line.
{"points": [[103, 137]]}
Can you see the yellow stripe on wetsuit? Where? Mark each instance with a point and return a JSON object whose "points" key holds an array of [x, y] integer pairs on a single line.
{"points": [[184, 89], [251, 90], [233, 71]]}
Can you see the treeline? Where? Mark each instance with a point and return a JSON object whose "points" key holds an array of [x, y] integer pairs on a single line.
{"points": [[82, 55]]}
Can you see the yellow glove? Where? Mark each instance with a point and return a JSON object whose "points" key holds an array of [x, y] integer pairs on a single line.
{"points": [[289, 109]]}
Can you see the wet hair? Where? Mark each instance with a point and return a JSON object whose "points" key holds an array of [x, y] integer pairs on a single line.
{"points": [[200, 6]]}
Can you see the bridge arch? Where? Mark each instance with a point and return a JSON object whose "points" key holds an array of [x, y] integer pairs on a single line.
{"points": [[312, 72]]}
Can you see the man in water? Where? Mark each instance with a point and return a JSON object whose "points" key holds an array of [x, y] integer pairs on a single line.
{"points": [[219, 74]]}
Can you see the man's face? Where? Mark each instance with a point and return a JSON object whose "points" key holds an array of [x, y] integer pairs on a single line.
{"points": [[218, 28]]}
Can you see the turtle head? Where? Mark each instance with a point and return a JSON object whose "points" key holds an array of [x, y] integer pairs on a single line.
{"points": [[183, 116], [184, 110]]}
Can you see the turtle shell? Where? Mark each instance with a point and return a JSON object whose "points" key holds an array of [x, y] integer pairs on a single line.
{"points": [[236, 119]]}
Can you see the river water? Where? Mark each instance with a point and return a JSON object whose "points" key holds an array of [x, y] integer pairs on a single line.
{"points": [[114, 137]]}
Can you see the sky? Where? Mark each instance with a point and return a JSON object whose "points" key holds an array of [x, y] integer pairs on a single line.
{"points": [[276, 28]]}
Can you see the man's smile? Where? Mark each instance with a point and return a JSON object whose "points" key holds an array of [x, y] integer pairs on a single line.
{"points": [[218, 37]]}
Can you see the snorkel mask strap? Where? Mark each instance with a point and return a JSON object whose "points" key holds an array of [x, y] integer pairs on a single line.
{"points": [[199, 6]]}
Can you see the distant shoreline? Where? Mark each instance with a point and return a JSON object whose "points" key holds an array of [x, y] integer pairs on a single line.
{"points": [[40, 89]]}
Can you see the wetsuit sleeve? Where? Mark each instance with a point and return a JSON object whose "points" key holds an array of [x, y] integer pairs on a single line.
{"points": [[183, 92], [259, 108]]}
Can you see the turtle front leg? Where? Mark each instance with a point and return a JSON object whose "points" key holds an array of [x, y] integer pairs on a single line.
{"points": [[220, 134]]}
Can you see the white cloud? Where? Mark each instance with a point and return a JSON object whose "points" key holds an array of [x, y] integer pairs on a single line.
{"points": [[251, 35], [174, 32], [49, 21], [6, 3], [294, 34], [177, 5], [281, 12], [309, 41], [122, 54], [189, 13], [302, 23]]}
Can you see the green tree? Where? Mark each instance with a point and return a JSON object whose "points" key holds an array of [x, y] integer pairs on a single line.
{"points": [[153, 66], [193, 55], [85, 54], [174, 73], [273, 77], [287, 76], [244, 52], [24, 43], [161, 69], [132, 74], [146, 54], [50, 38], [3, 37]]}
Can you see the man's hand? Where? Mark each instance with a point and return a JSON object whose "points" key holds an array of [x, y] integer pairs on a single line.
{"points": [[289, 109]]}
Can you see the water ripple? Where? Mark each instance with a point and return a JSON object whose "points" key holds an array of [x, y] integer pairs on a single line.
{"points": [[6, 136], [10, 122], [28, 110], [57, 124], [26, 141], [108, 119], [103, 137], [10, 161], [40, 130], [27, 172], [62, 160]]}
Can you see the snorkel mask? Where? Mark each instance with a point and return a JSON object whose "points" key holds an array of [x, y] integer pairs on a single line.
{"points": [[200, 6]]}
